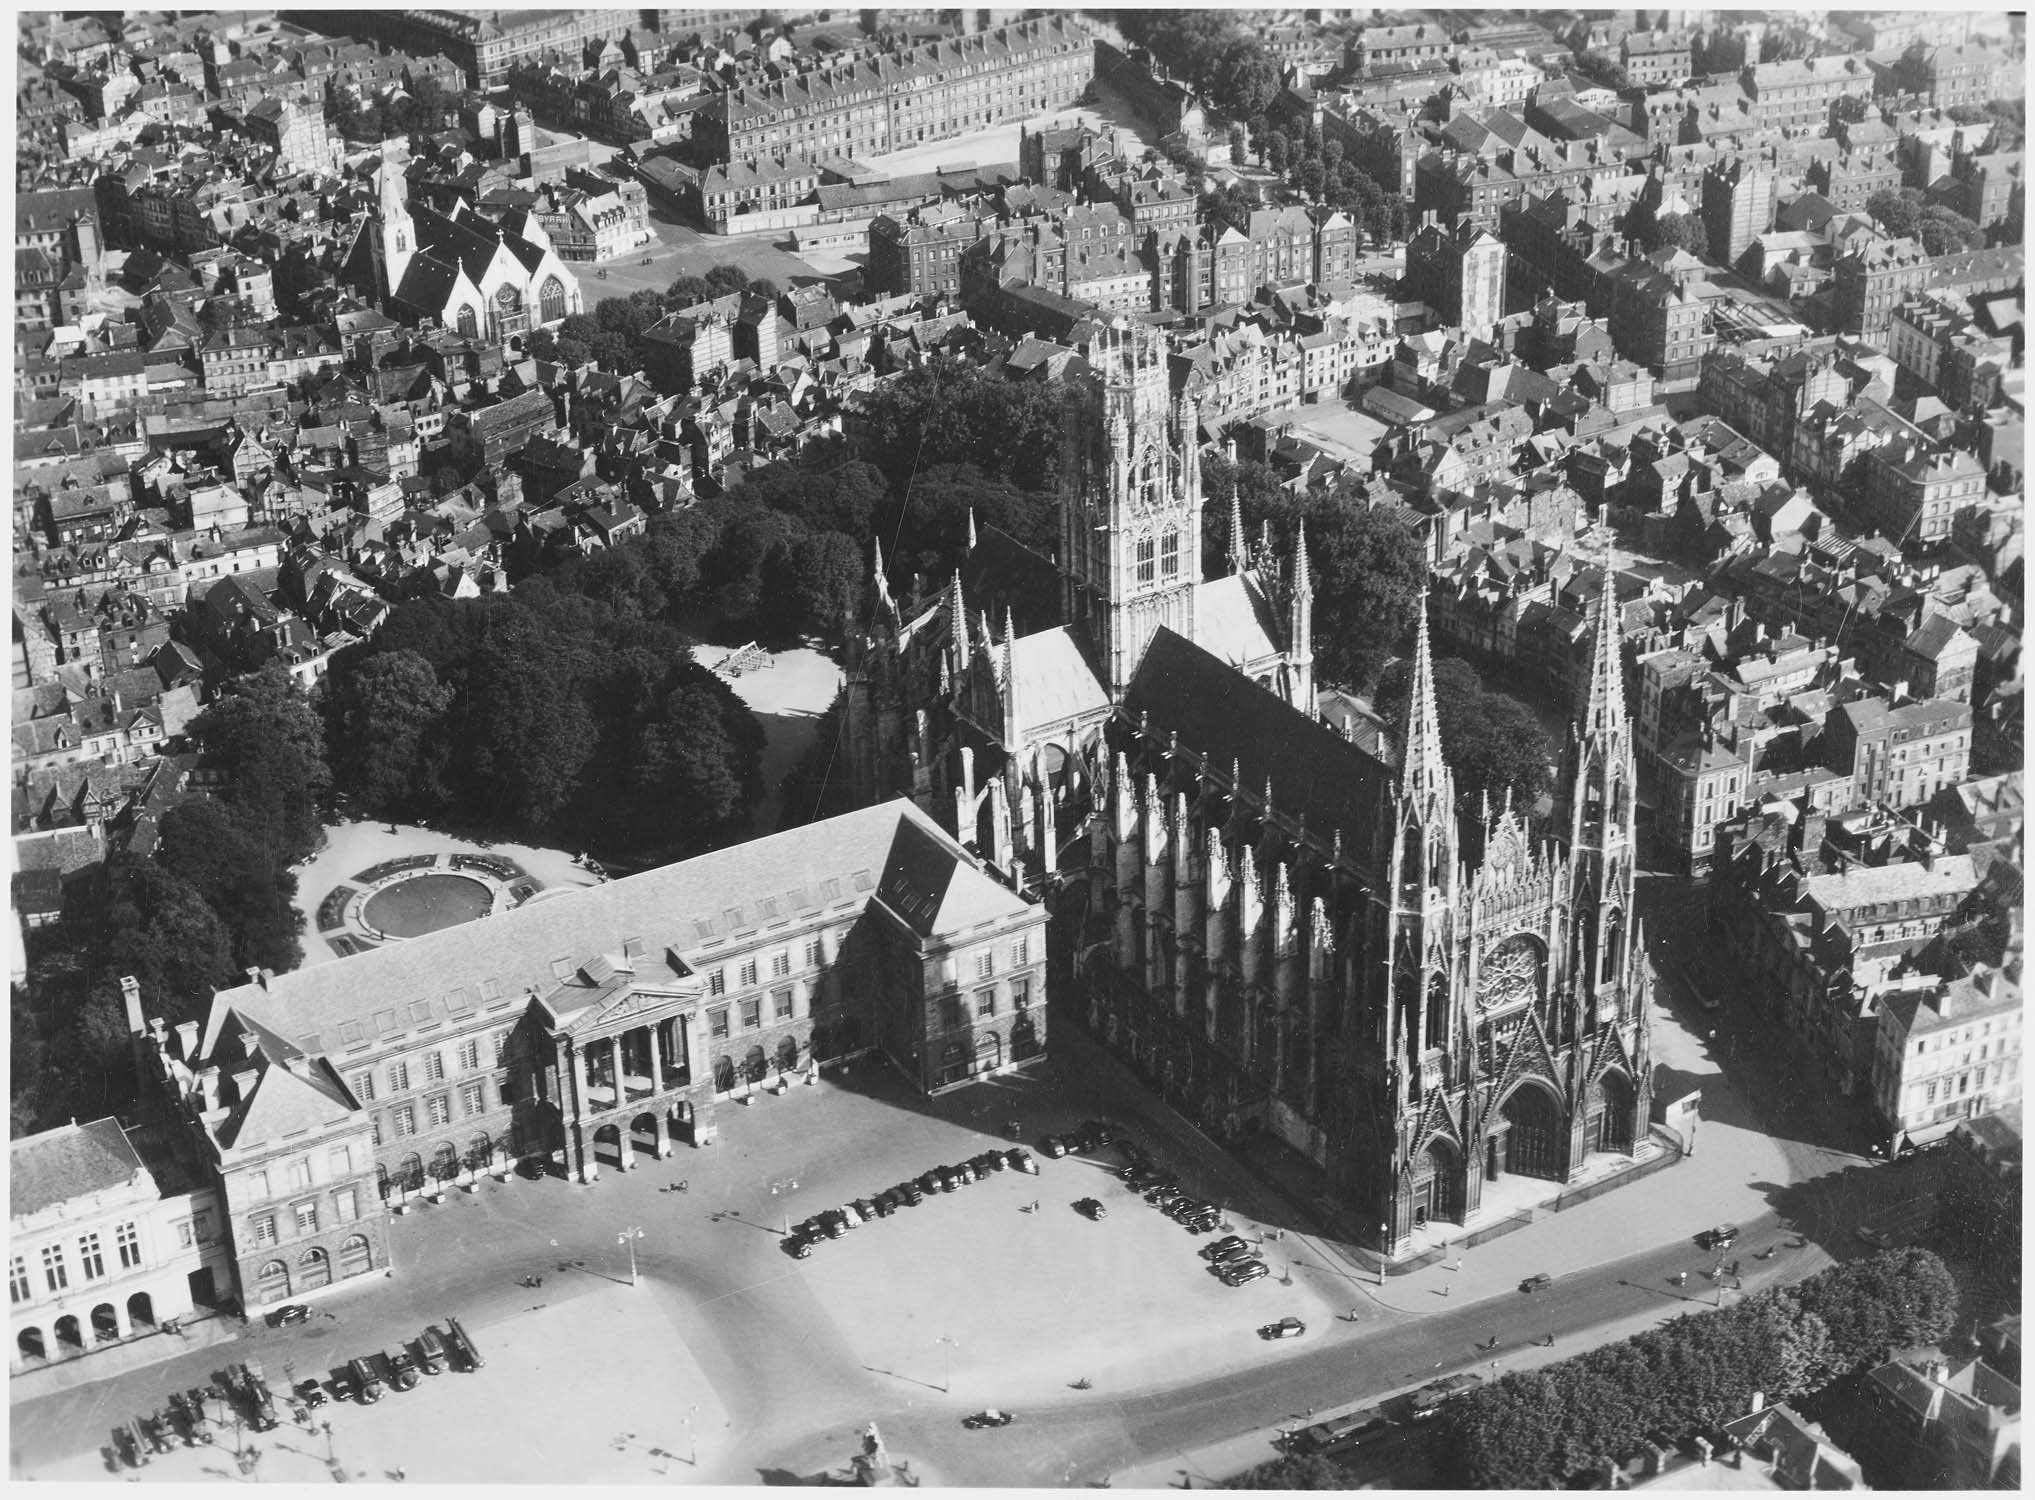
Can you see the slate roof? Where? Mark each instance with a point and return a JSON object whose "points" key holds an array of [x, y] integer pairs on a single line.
{"points": [[497, 961], [1233, 619], [1055, 680], [931, 891], [69, 1162], [1227, 717]]}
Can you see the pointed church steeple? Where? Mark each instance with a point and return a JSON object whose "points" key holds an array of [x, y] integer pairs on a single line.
{"points": [[1423, 773], [1239, 546], [957, 624], [1300, 629], [1605, 712]]}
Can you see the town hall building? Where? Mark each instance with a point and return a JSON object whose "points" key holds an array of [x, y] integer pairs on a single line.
{"points": [[1281, 928]]}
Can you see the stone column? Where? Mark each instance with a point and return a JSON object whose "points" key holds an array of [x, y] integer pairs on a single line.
{"points": [[656, 1057], [626, 1151], [702, 1085], [576, 1132]]}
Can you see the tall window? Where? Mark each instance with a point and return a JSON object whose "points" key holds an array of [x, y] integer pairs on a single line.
{"points": [[440, 1108], [404, 1121], [339, 1161], [399, 1077], [469, 1055], [717, 1021], [434, 1067], [1145, 555], [53, 1270], [346, 1204], [307, 1218], [128, 1243], [752, 1014], [501, 1047], [1021, 953], [780, 1003], [551, 300], [470, 1099], [780, 965], [300, 1172], [717, 982], [17, 1279], [812, 953], [264, 1227], [1169, 554], [985, 964], [362, 1084], [91, 1264], [469, 325]]}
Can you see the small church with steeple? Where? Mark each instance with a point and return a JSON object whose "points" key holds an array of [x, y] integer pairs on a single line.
{"points": [[1281, 927], [461, 270]]}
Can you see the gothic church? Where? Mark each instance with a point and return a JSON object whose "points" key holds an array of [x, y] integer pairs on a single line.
{"points": [[1279, 927]]}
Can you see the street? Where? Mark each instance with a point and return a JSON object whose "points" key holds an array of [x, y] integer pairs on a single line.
{"points": [[780, 1361]]}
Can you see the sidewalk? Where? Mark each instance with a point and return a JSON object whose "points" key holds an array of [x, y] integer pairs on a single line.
{"points": [[1214, 1465]]}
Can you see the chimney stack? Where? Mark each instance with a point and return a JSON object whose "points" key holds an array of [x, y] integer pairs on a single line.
{"points": [[187, 1040], [243, 1084]]}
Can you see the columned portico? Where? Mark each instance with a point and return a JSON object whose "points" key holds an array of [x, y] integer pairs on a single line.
{"points": [[631, 1058]]}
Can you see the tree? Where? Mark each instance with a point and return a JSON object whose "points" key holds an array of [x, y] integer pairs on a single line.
{"points": [[1944, 231], [1278, 151], [1681, 232], [698, 760], [1239, 143], [268, 740], [822, 585], [1367, 587], [388, 722], [1897, 211], [1494, 745], [228, 859], [522, 741], [1880, 1303], [1601, 68]]}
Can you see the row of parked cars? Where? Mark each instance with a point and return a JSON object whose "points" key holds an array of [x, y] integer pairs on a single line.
{"points": [[189, 1415], [430, 1353], [836, 1222]]}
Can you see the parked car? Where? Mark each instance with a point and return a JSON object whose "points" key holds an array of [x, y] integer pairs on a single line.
{"points": [[833, 1223], [963, 1173], [462, 1345], [910, 1194], [1285, 1328], [1536, 1281], [1879, 1239], [260, 1399], [797, 1246], [432, 1355], [1237, 1272], [1052, 1147], [989, 1418], [1020, 1160], [885, 1204], [1201, 1223], [1164, 1197], [859, 1211], [929, 1183], [1092, 1207], [1722, 1237], [1189, 1208], [402, 1370], [289, 1314], [987, 1162], [364, 1382], [308, 1393], [1227, 1248]]}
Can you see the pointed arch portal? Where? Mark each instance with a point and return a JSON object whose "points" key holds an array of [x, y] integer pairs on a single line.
{"points": [[1530, 1141]]}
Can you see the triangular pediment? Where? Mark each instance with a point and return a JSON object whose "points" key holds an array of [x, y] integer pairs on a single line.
{"points": [[1436, 1121], [636, 1005], [1527, 1055]]}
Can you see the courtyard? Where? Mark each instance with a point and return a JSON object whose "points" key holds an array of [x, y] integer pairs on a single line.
{"points": [[787, 693], [373, 881], [967, 1300]]}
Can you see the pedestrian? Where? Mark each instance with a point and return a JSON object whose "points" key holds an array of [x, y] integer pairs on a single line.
{"points": [[1445, 1288]]}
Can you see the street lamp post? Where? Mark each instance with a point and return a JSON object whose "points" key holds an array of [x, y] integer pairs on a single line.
{"points": [[1384, 1249], [692, 1436], [783, 1188], [947, 1375], [629, 1237]]}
